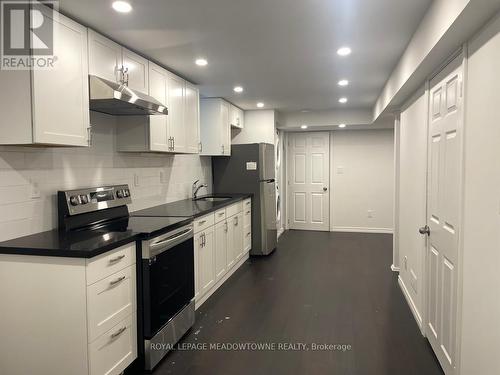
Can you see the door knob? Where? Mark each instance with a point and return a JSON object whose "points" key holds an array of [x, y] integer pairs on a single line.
{"points": [[325, 189], [425, 230]]}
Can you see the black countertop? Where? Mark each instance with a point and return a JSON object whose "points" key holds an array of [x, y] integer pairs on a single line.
{"points": [[140, 225], [189, 207]]}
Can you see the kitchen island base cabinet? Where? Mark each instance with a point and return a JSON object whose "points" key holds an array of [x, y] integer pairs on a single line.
{"points": [[219, 249], [45, 323]]}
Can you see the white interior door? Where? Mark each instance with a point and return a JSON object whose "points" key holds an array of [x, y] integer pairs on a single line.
{"points": [[444, 184], [309, 181]]}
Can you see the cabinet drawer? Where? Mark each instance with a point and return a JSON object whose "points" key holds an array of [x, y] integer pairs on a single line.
{"points": [[109, 301], [204, 222], [247, 216], [247, 238], [107, 264], [247, 203], [220, 215], [112, 352], [234, 209]]}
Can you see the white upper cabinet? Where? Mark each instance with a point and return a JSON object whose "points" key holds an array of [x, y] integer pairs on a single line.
{"points": [[50, 106], [176, 113], [215, 127], [192, 118], [236, 117], [159, 130], [113, 62], [135, 71], [105, 57]]}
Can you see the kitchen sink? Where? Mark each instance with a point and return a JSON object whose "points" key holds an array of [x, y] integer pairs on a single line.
{"points": [[213, 199]]}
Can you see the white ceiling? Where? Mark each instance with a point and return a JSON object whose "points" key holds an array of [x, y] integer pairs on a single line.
{"points": [[283, 52]]}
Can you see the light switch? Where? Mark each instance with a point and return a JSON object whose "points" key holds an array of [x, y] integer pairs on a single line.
{"points": [[251, 165]]}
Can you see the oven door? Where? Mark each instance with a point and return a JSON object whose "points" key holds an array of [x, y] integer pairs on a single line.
{"points": [[168, 277]]}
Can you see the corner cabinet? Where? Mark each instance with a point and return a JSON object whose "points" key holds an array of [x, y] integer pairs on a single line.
{"points": [[237, 117], [215, 127], [50, 106], [73, 316]]}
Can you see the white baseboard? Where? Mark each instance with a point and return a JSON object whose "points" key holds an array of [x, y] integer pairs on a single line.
{"points": [[410, 302], [216, 286], [362, 230], [394, 268]]}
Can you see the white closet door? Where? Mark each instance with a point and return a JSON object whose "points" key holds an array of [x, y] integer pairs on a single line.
{"points": [[443, 210], [309, 181]]}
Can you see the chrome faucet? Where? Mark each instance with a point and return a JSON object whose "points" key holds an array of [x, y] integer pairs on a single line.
{"points": [[197, 188]]}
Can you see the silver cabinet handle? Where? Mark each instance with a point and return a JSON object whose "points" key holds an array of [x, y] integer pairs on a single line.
{"points": [[117, 259], [120, 279], [235, 220], [222, 149], [200, 147], [125, 76], [221, 213], [202, 222], [226, 227], [118, 333], [186, 232], [248, 212], [425, 230], [325, 188]]}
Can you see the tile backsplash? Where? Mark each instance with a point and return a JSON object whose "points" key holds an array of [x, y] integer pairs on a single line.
{"points": [[30, 177]]}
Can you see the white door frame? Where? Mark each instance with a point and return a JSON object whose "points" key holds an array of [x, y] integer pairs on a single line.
{"points": [[461, 53]]}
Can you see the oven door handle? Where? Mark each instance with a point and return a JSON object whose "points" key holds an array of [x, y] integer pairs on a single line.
{"points": [[167, 243]]}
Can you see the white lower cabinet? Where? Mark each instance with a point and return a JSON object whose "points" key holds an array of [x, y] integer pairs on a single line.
{"points": [[73, 316], [219, 247]]}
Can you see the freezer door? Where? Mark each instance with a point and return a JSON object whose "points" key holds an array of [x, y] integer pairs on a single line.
{"points": [[266, 156], [268, 217]]}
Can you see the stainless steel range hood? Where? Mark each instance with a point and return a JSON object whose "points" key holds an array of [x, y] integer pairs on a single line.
{"points": [[116, 99]]}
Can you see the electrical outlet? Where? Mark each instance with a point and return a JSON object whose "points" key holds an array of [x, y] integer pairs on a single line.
{"points": [[35, 189], [370, 214]]}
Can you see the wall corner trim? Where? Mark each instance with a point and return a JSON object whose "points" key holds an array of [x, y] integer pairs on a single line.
{"points": [[413, 307]]}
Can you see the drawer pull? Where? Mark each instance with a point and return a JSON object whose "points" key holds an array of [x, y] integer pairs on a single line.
{"points": [[221, 213], [202, 222], [247, 203], [120, 279], [248, 212], [117, 259], [248, 234], [118, 333]]}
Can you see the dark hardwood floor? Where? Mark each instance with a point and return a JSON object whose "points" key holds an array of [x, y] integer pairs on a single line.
{"points": [[317, 288]]}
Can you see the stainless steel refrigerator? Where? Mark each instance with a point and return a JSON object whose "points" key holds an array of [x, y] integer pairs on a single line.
{"points": [[250, 169]]}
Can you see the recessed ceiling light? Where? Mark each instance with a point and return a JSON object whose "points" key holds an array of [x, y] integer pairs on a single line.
{"points": [[260, 105], [343, 100], [201, 62], [238, 89], [344, 51], [121, 6], [343, 82], [303, 126], [341, 125]]}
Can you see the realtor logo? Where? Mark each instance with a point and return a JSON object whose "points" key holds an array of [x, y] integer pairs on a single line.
{"points": [[27, 34]]}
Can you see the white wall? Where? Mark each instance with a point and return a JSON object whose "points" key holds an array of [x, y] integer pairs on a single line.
{"points": [[65, 168], [412, 183], [259, 128], [362, 177], [481, 226]]}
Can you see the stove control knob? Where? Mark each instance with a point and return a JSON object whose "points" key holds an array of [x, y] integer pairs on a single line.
{"points": [[120, 194], [127, 192], [74, 200], [84, 199]]}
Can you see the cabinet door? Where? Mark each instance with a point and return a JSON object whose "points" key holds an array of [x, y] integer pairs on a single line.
{"points": [[158, 125], [225, 129], [192, 119], [206, 261], [221, 230], [136, 71], [231, 251], [105, 57], [236, 117], [241, 118], [238, 236], [61, 95], [176, 103]]}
